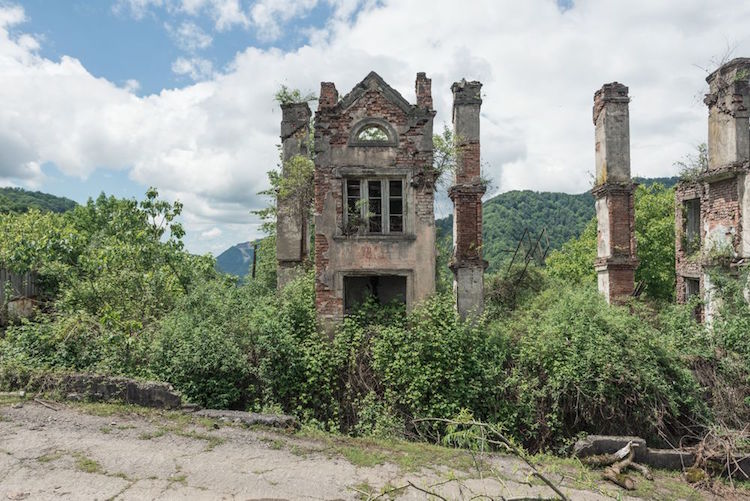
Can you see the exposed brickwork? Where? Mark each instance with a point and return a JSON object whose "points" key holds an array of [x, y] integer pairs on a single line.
{"points": [[719, 188], [423, 89], [410, 157], [616, 249], [466, 194]]}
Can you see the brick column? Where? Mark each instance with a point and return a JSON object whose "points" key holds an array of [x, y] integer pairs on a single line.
{"points": [[467, 263], [616, 247], [291, 224]]}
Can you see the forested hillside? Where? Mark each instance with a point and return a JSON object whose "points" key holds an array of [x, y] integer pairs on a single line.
{"points": [[20, 200], [507, 215]]}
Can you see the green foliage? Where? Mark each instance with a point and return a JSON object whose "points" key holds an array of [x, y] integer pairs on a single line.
{"points": [[655, 235], [285, 95], [201, 346], [584, 366], [654, 227], [574, 262], [19, 200], [507, 289], [693, 166]]}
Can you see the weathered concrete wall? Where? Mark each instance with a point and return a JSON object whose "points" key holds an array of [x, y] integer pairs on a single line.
{"points": [[340, 155], [95, 387], [728, 104], [615, 210], [291, 216], [466, 193], [721, 189]]}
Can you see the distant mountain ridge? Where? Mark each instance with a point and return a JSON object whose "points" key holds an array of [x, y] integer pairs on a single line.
{"points": [[505, 218], [20, 200], [236, 260]]}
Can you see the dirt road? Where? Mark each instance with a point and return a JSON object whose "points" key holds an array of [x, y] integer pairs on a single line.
{"points": [[116, 452]]}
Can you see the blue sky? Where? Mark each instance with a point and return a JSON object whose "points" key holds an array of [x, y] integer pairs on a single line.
{"points": [[120, 95]]}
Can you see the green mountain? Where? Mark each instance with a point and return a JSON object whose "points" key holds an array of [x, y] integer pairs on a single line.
{"points": [[236, 260], [20, 200], [506, 216]]}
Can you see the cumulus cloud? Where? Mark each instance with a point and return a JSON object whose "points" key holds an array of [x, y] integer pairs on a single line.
{"points": [[225, 13], [210, 143], [195, 67], [211, 234], [189, 36]]}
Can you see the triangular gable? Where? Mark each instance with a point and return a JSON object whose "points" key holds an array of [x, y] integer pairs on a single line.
{"points": [[374, 81]]}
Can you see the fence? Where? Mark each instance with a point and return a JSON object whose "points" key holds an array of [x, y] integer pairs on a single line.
{"points": [[17, 285]]}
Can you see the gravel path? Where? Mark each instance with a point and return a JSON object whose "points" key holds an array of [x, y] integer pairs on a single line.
{"points": [[72, 453]]}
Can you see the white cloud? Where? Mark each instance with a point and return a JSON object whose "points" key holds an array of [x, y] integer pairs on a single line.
{"points": [[211, 234], [269, 15], [189, 36], [195, 67], [225, 13], [10, 15], [132, 85], [210, 143]]}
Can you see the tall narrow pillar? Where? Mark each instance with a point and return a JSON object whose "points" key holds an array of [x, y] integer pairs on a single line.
{"points": [[467, 263], [291, 218], [615, 212]]}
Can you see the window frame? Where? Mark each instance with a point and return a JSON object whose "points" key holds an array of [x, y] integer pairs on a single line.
{"points": [[385, 206]]}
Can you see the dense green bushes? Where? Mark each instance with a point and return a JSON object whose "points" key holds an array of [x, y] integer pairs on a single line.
{"points": [[547, 360], [581, 365]]}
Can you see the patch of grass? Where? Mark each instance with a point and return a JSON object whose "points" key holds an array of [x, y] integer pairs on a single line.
{"points": [[105, 429], [179, 478], [213, 441], [364, 490], [154, 434], [49, 457], [362, 457], [86, 464], [10, 399], [276, 444]]}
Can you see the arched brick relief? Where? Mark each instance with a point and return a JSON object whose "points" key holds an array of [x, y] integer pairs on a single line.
{"points": [[383, 133]]}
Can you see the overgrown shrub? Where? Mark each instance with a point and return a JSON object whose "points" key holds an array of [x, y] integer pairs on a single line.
{"points": [[584, 366]]}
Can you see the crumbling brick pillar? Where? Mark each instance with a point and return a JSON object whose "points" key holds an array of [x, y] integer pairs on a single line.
{"points": [[616, 248], [291, 218], [467, 263]]}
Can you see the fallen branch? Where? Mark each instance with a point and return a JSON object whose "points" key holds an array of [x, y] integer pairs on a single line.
{"points": [[45, 404], [504, 442], [615, 473]]}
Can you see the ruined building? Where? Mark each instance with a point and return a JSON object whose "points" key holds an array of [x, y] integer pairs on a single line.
{"points": [[374, 185], [374, 196], [467, 263], [292, 237], [712, 210], [615, 211]]}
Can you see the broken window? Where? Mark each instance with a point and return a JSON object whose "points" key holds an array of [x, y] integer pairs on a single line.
{"points": [[384, 289], [692, 288], [373, 133], [375, 205], [691, 225]]}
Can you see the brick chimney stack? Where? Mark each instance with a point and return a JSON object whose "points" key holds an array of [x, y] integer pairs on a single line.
{"points": [[615, 212], [467, 263]]}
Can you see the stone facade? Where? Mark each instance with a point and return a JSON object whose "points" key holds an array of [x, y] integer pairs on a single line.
{"points": [[616, 247], [374, 196], [292, 220], [466, 193], [710, 210]]}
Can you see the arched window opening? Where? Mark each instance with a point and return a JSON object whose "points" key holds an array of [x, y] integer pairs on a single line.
{"points": [[373, 133]]}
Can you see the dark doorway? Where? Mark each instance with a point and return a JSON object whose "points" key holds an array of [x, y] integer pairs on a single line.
{"points": [[383, 288]]}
